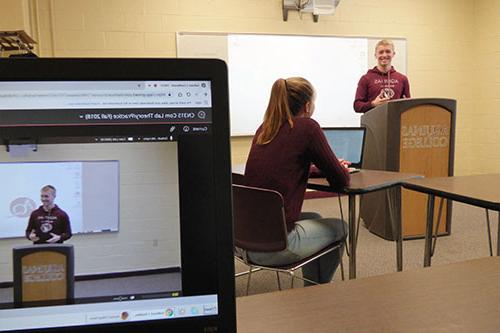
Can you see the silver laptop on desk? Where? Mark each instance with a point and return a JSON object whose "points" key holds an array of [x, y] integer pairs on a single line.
{"points": [[347, 143]]}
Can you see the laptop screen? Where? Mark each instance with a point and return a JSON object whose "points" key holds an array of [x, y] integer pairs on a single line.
{"points": [[347, 143], [119, 177]]}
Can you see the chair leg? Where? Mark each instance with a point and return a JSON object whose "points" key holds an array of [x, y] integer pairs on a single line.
{"points": [[278, 277], [248, 280], [293, 278]]}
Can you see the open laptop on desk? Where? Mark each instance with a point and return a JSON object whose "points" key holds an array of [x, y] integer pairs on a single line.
{"points": [[138, 150], [347, 143]]}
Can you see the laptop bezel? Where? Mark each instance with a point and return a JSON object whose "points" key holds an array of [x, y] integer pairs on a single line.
{"points": [[68, 69]]}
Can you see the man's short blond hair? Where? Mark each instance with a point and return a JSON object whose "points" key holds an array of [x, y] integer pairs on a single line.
{"points": [[51, 188], [384, 42]]}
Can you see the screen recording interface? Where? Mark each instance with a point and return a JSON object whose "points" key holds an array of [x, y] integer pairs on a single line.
{"points": [[184, 104], [123, 195]]}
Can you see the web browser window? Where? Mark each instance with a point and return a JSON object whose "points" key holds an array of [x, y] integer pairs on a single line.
{"points": [[128, 196]]}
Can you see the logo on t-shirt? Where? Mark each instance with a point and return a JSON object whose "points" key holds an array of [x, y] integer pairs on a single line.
{"points": [[387, 93], [46, 227]]}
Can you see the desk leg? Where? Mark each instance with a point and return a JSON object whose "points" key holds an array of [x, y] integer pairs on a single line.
{"points": [[428, 230], [396, 225], [498, 235], [352, 236]]}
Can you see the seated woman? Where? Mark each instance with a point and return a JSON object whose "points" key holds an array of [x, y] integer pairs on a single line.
{"points": [[283, 150]]}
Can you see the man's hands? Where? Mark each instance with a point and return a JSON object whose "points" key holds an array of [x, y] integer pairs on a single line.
{"points": [[54, 239], [33, 237], [380, 99]]}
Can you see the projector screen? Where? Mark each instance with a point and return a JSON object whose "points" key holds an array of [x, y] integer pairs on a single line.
{"points": [[88, 191], [333, 64]]}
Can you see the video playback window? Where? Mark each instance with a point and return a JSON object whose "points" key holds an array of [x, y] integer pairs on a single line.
{"points": [[122, 202]]}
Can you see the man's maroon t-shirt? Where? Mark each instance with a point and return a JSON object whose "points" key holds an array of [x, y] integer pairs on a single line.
{"points": [[394, 85], [44, 223]]}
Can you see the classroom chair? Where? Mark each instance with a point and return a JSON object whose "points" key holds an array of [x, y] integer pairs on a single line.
{"points": [[260, 226]]}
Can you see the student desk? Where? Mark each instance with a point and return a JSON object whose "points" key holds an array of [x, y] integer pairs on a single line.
{"points": [[366, 181], [422, 300], [477, 190]]}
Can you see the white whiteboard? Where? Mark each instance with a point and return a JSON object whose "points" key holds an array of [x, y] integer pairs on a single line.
{"points": [[332, 64]]}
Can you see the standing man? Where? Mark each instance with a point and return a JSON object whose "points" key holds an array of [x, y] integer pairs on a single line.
{"points": [[49, 223], [381, 83]]}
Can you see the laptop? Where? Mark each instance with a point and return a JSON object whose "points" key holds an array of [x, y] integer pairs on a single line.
{"points": [[347, 143], [138, 152]]}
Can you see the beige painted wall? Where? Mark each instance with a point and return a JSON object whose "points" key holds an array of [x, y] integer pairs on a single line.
{"points": [[440, 34], [12, 15], [485, 59]]}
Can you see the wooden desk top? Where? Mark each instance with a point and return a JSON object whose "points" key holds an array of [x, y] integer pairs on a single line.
{"points": [[365, 181], [460, 297], [478, 190]]}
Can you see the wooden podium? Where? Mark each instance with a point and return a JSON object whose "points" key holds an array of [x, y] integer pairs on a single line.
{"points": [[415, 136], [43, 274]]}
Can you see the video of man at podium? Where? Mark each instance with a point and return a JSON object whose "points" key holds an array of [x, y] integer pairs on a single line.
{"points": [[90, 222]]}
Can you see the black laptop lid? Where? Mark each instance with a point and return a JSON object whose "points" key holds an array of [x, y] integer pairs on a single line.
{"points": [[347, 143], [138, 150]]}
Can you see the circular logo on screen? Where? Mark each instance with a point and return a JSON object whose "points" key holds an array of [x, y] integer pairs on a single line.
{"points": [[22, 207], [169, 312]]}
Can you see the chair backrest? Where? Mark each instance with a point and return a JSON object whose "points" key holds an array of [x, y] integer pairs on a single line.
{"points": [[259, 219]]}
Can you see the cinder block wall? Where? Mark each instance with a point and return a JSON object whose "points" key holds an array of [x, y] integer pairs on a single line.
{"points": [[440, 34]]}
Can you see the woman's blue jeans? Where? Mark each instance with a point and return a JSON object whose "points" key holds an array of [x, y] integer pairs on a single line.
{"points": [[311, 234]]}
